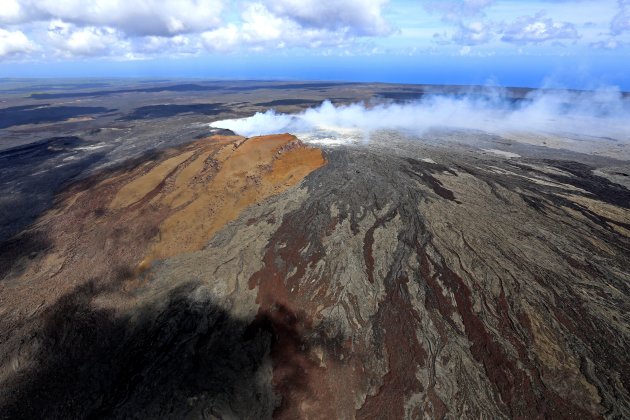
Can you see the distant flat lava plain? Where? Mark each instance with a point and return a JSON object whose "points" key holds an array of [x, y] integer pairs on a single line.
{"points": [[153, 267]]}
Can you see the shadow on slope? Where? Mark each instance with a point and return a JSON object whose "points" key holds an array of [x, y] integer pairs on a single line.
{"points": [[37, 114], [163, 111], [180, 356], [30, 176]]}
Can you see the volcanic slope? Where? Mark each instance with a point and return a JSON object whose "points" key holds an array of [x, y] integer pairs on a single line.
{"points": [[257, 278]]}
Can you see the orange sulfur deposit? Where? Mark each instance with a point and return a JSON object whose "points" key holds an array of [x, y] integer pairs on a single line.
{"points": [[208, 184]]}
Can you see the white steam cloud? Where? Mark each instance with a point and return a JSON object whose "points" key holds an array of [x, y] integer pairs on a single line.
{"points": [[578, 115]]}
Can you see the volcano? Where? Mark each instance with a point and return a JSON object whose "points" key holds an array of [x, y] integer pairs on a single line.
{"points": [[453, 273]]}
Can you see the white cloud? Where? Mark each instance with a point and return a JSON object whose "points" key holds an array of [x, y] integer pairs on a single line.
{"points": [[69, 40], [179, 44], [10, 11], [14, 43], [608, 44], [468, 17], [538, 28], [260, 28], [621, 21], [140, 29], [359, 17], [135, 17], [222, 39], [457, 10], [473, 33]]}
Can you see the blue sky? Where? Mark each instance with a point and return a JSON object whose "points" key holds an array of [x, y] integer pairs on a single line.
{"points": [[579, 44]]}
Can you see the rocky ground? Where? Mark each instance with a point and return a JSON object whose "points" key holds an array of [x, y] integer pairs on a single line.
{"points": [[398, 279], [453, 275]]}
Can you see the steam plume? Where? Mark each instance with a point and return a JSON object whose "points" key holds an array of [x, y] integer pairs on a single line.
{"points": [[599, 114]]}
